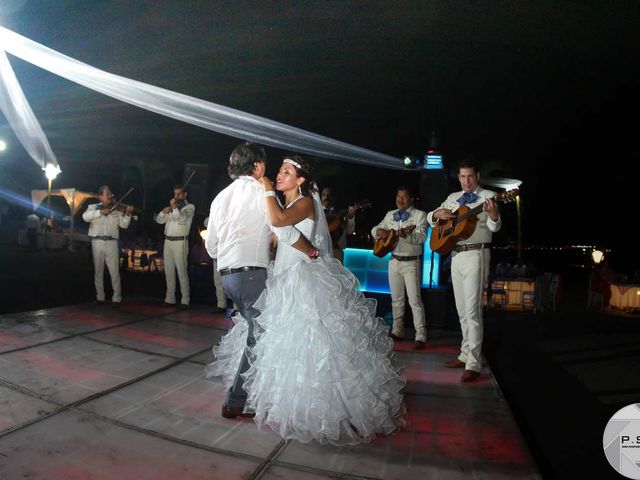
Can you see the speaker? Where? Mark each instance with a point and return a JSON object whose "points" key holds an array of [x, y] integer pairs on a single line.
{"points": [[434, 188], [197, 176]]}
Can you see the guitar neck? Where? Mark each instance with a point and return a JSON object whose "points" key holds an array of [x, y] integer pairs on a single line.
{"points": [[473, 211]]}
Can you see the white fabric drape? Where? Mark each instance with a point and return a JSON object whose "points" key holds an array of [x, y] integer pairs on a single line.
{"points": [[18, 113], [181, 107]]}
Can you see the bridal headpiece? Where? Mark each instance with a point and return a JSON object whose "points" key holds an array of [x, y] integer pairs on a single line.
{"points": [[292, 162]]}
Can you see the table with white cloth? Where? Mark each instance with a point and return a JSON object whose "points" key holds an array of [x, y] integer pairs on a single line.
{"points": [[625, 296], [519, 293]]}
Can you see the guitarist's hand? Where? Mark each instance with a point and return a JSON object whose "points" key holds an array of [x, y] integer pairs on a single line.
{"points": [[491, 207], [382, 233], [442, 214], [403, 232], [351, 211]]}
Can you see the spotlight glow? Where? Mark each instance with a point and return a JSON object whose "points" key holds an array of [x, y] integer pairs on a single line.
{"points": [[51, 171], [3, 145]]}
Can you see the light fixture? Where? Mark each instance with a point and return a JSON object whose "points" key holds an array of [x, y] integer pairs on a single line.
{"points": [[3, 145], [408, 162], [597, 255], [51, 171]]}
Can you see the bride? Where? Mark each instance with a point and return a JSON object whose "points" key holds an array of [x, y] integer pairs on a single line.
{"points": [[321, 368]]}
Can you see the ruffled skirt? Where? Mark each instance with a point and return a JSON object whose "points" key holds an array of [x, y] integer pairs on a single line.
{"points": [[322, 365]]}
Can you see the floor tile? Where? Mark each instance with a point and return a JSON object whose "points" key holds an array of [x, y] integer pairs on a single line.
{"points": [[17, 408], [72, 369], [77, 446], [161, 336], [15, 334], [181, 403]]}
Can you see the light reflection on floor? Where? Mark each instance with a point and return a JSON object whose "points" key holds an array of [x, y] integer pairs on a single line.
{"points": [[116, 393]]}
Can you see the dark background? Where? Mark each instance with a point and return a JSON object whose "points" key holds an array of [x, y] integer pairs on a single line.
{"points": [[545, 92]]}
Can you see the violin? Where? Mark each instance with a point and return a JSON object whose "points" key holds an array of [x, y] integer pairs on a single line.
{"points": [[114, 205]]}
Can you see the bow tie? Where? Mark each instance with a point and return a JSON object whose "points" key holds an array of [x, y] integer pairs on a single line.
{"points": [[467, 197], [401, 216]]}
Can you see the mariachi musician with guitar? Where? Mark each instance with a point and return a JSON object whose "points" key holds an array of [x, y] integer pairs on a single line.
{"points": [[341, 223], [403, 232], [465, 223]]}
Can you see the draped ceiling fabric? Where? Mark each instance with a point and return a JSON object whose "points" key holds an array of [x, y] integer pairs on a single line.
{"points": [[74, 198], [181, 107], [18, 113]]}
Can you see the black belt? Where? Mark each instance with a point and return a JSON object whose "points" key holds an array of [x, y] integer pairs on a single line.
{"points": [[103, 237], [167, 237], [229, 271], [405, 259], [471, 246]]}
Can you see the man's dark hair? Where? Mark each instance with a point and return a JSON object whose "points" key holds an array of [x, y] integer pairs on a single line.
{"points": [[102, 188], [243, 159], [179, 186], [407, 189], [469, 161]]}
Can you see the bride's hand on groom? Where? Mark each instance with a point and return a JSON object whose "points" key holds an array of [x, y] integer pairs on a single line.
{"points": [[266, 184]]}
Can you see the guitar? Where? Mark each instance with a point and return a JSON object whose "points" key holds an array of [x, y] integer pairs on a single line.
{"points": [[447, 233], [386, 245], [336, 220]]}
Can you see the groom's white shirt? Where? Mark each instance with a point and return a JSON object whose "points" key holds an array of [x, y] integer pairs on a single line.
{"points": [[238, 232]]}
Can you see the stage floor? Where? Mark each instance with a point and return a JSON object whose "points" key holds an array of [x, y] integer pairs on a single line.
{"points": [[97, 392]]}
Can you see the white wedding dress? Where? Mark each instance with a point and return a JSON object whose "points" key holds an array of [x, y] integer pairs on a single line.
{"points": [[321, 368]]}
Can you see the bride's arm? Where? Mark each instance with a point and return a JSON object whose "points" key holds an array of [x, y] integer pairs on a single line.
{"points": [[279, 217]]}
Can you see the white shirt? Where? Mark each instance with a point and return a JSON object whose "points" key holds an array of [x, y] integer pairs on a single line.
{"points": [[412, 244], [32, 221], [485, 226], [105, 225], [238, 232], [177, 222]]}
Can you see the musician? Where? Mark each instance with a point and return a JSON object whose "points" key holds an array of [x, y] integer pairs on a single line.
{"points": [[404, 266], [346, 224], [470, 264], [176, 219], [105, 223]]}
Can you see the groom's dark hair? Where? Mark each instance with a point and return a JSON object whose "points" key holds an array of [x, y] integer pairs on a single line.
{"points": [[243, 159]]}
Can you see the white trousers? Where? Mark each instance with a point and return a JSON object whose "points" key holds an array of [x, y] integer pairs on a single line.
{"points": [[175, 259], [221, 299], [106, 251], [406, 275], [469, 273]]}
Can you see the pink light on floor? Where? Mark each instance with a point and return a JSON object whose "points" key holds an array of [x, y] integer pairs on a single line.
{"points": [[9, 340], [148, 337], [51, 365], [73, 471]]}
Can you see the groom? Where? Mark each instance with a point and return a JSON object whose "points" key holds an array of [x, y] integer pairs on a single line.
{"points": [[238, 235]]}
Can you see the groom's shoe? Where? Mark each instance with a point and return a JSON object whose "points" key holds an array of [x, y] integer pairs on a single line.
{"points": [[233, 412]]}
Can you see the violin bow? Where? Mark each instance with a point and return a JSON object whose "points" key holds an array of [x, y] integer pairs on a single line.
{"points": [[120, 201], [188, 179]]}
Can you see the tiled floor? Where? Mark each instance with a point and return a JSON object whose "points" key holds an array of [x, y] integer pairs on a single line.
{"points": [[96, 392]]}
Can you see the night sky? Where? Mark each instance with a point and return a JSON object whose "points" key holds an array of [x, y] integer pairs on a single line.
{"points": [[535, 90]]}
